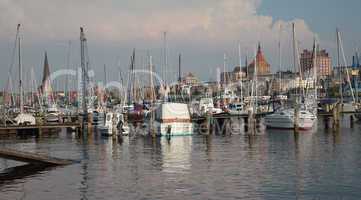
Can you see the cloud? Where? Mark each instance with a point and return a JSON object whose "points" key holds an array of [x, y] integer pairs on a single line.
{"points": [[125, 20], [209, 25]]}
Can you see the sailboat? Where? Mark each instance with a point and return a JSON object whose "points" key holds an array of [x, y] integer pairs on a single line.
{"points": [[22, 118], [354, 105], [299, 116]]}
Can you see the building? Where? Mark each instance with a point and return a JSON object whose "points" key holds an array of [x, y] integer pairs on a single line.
{"points": [[190, 79], [263, 67], [236, 75], [323, 62]]}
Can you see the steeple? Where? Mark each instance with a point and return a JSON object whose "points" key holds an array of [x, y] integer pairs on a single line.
{"points": [[46, 70], [45, 84], [259, 48]]}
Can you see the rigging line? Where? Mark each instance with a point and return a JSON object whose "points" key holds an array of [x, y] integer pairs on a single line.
{"points": [[347, 71]]}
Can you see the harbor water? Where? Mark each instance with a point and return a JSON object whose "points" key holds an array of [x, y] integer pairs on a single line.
{"points": [[272, 164]]}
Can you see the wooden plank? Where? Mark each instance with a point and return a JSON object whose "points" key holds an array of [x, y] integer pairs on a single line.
{"points": [[32, 157], [45, 126]]}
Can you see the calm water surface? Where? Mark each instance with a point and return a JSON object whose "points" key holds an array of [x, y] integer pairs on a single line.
{"points": [[272, 165]]}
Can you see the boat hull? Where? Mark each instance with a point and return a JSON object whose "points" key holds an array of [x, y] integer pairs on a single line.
{"points": [[175, 129], [303, 124], [285, 120]]}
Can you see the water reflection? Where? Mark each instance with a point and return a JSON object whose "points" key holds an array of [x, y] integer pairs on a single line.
{"points": [[176, 154], [272, 164], [8, 175]]}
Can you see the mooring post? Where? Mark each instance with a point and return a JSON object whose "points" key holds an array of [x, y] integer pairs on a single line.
{"points": [[325, 122], [296, 116], [245, 124], [351, 121], [251, 122], [336, 116]]}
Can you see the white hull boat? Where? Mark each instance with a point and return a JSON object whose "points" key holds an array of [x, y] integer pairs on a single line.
{"points": [[284, 119], [114, 124], [173, 119], [25, 119], [52, 114]]}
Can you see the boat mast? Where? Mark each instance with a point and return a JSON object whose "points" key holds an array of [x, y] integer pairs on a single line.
{"points": [[84, 73], [165, 57], [67, 94], [296, 63], [255, 80], [240, 68], [315, 68], [339, 65], [20, 73], [280, 59], [224, 71], [357, 76], [152, 93], [179, 68], [345, 64]]}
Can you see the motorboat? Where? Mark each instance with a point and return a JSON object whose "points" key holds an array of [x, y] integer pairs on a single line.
{"points": [[25, 119], [206, 105], [173, 119], [285, 119], [52, 114], [236, 109], [114, 124]]}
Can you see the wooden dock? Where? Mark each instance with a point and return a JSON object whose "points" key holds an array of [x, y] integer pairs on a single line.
{"points": [[37, 129], [32, 158]]}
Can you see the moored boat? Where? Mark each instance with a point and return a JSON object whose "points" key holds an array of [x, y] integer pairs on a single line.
{"points": [[285, 119], [173, 119]]}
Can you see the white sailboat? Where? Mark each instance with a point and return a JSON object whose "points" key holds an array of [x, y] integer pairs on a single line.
{"points": [[299, 116], [22, 118]]}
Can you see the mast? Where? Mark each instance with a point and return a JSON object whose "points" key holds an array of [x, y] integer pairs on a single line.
{"points": [[134, 87], [21, 104], [295, 62], [345, 65], [240, 68], [165, 57], [255, 80], [67, 93], [280, 59], [84, 71], [357, 76], [179, 68], [339, 65], [297, 100], [315, 68], [105, 74], [224, 70], [152, 94]]}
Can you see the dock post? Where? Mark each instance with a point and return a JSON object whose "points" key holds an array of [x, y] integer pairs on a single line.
{"points": [[351, 121], [336, 116], [296, 116], [251, 123], [245, 124], [40, 132], [325, 122]]}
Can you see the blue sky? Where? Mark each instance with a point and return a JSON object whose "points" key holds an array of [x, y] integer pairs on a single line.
{"points": [[201, 30], [321, 15]]}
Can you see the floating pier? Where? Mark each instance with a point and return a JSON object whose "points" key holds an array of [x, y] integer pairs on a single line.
{"points": [[32, 158]]}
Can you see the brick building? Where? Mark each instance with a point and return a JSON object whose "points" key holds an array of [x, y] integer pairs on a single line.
{"points": [[263, 67], [323, 62]]}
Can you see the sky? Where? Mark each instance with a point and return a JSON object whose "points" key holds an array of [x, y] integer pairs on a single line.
{"points": [[202, 31]]}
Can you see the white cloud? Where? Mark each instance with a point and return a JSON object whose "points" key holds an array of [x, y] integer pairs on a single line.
{"points": [[210, 25], [213, 20]]}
